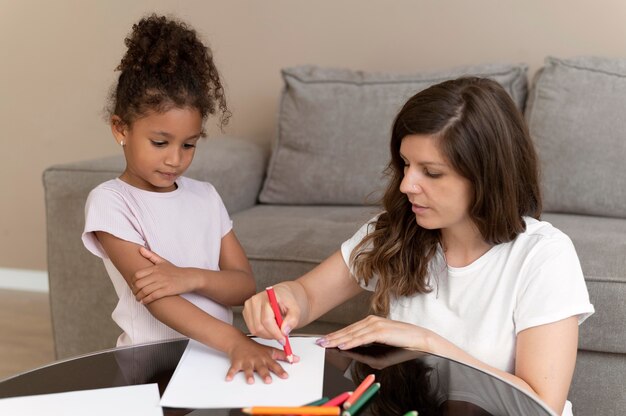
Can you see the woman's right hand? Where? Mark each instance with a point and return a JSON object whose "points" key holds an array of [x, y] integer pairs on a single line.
{"points": [[259, 316]]}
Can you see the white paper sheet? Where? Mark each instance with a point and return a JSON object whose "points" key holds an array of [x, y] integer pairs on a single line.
{"points": [[199, 379], [130, 400]]}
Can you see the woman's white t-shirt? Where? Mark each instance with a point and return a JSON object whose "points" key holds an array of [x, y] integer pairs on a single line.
{"points": [[533, 280], [184, 226]]}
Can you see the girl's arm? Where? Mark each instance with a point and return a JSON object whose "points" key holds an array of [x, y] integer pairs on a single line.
{"points": [[184, 317], [544, 360], [302, 300], [230, 286]]}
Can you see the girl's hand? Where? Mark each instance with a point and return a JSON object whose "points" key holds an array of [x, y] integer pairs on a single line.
{"points": [[162, 279], [260, 319], [249, 356], [381, 330]]}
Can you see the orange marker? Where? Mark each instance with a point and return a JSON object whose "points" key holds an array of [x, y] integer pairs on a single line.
{"points": [[302, 410], [338, 400], [279, 320], [359, 391]]}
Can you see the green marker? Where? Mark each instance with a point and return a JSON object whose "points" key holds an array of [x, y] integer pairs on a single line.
{"points": [[356, 406], [411, 413], [318, 402]]}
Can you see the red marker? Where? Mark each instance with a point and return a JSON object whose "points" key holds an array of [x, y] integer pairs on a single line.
{"points": [[358, 392], [338, 400], [279, 321]]}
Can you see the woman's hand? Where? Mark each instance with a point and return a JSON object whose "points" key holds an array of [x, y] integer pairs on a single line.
{"points": [[249, 356], [260, 319], [160, 280], [381, 330]]}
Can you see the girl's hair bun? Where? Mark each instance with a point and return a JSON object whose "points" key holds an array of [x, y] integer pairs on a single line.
{"points": [[161, 44]]}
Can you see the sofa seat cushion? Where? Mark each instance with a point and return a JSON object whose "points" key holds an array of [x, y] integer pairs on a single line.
{"points": [[334, 127], [294, 239], [575, 115], [601, 247]]}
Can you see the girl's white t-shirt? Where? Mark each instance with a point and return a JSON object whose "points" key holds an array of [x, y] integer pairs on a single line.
{"points": [[533, 280], [184, 226]]}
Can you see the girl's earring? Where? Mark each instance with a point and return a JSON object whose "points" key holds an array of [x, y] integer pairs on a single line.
{"points": [[122, 143]]}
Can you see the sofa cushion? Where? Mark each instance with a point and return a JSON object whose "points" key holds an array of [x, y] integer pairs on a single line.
{"points": [[600, 244], [285, 242], [576, 117], [598, 384], [334, 127]]}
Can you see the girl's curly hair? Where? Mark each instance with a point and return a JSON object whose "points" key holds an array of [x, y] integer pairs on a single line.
{"points": [[165, 66]]}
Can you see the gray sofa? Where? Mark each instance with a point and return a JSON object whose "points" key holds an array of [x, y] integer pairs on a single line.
{"points": [[293, 208]]}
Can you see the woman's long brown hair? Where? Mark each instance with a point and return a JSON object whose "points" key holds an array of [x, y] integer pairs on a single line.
{"points": [[483, 136]]}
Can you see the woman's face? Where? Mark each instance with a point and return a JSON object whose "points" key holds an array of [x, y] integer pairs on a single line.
{"points": [[439, 196]]}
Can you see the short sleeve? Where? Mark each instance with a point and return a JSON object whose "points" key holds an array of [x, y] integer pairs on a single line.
{"points": [[226, 224], [552, 286], [348, 246], [106, 210]]}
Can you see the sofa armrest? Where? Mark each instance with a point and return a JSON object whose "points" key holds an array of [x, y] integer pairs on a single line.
{"points": [[236, 168], [81, 294]]}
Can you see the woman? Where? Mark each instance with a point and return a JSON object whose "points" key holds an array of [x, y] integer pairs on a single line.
{"points": [[459, 262]]}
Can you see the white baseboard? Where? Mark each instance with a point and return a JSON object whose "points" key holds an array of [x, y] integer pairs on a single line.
{"points": [[19, 279]]}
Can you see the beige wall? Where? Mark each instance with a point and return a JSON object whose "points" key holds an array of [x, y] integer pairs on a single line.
{"points": [[57, 59]]}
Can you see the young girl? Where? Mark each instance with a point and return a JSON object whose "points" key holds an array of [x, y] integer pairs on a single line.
{"points": [[166, 240], [459, 262]]}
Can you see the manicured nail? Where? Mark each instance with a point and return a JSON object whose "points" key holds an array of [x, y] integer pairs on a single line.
{"points": [[341, 346], [287, 330], [281, 342], [322, 342]]}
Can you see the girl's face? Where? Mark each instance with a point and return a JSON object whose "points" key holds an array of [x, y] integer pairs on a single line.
{"points": [[439, 196], [159, 148]]}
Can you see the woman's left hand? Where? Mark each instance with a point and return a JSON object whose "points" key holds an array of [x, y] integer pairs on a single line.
{"points": [[380, 330]]}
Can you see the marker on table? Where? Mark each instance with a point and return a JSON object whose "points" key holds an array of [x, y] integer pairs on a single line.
{"points": [[357, 405], [301, 410], [411, 413], [318, 402], [367, 381], [338, 400], [279, 320]]}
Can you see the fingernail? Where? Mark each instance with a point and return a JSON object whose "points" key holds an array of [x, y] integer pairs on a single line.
{"points": [[322, 342], [268, 380], [341, 346], [287, 330], [281, 342]]}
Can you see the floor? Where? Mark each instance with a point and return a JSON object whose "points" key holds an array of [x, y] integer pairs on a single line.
{"points": [[25, 331]]}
